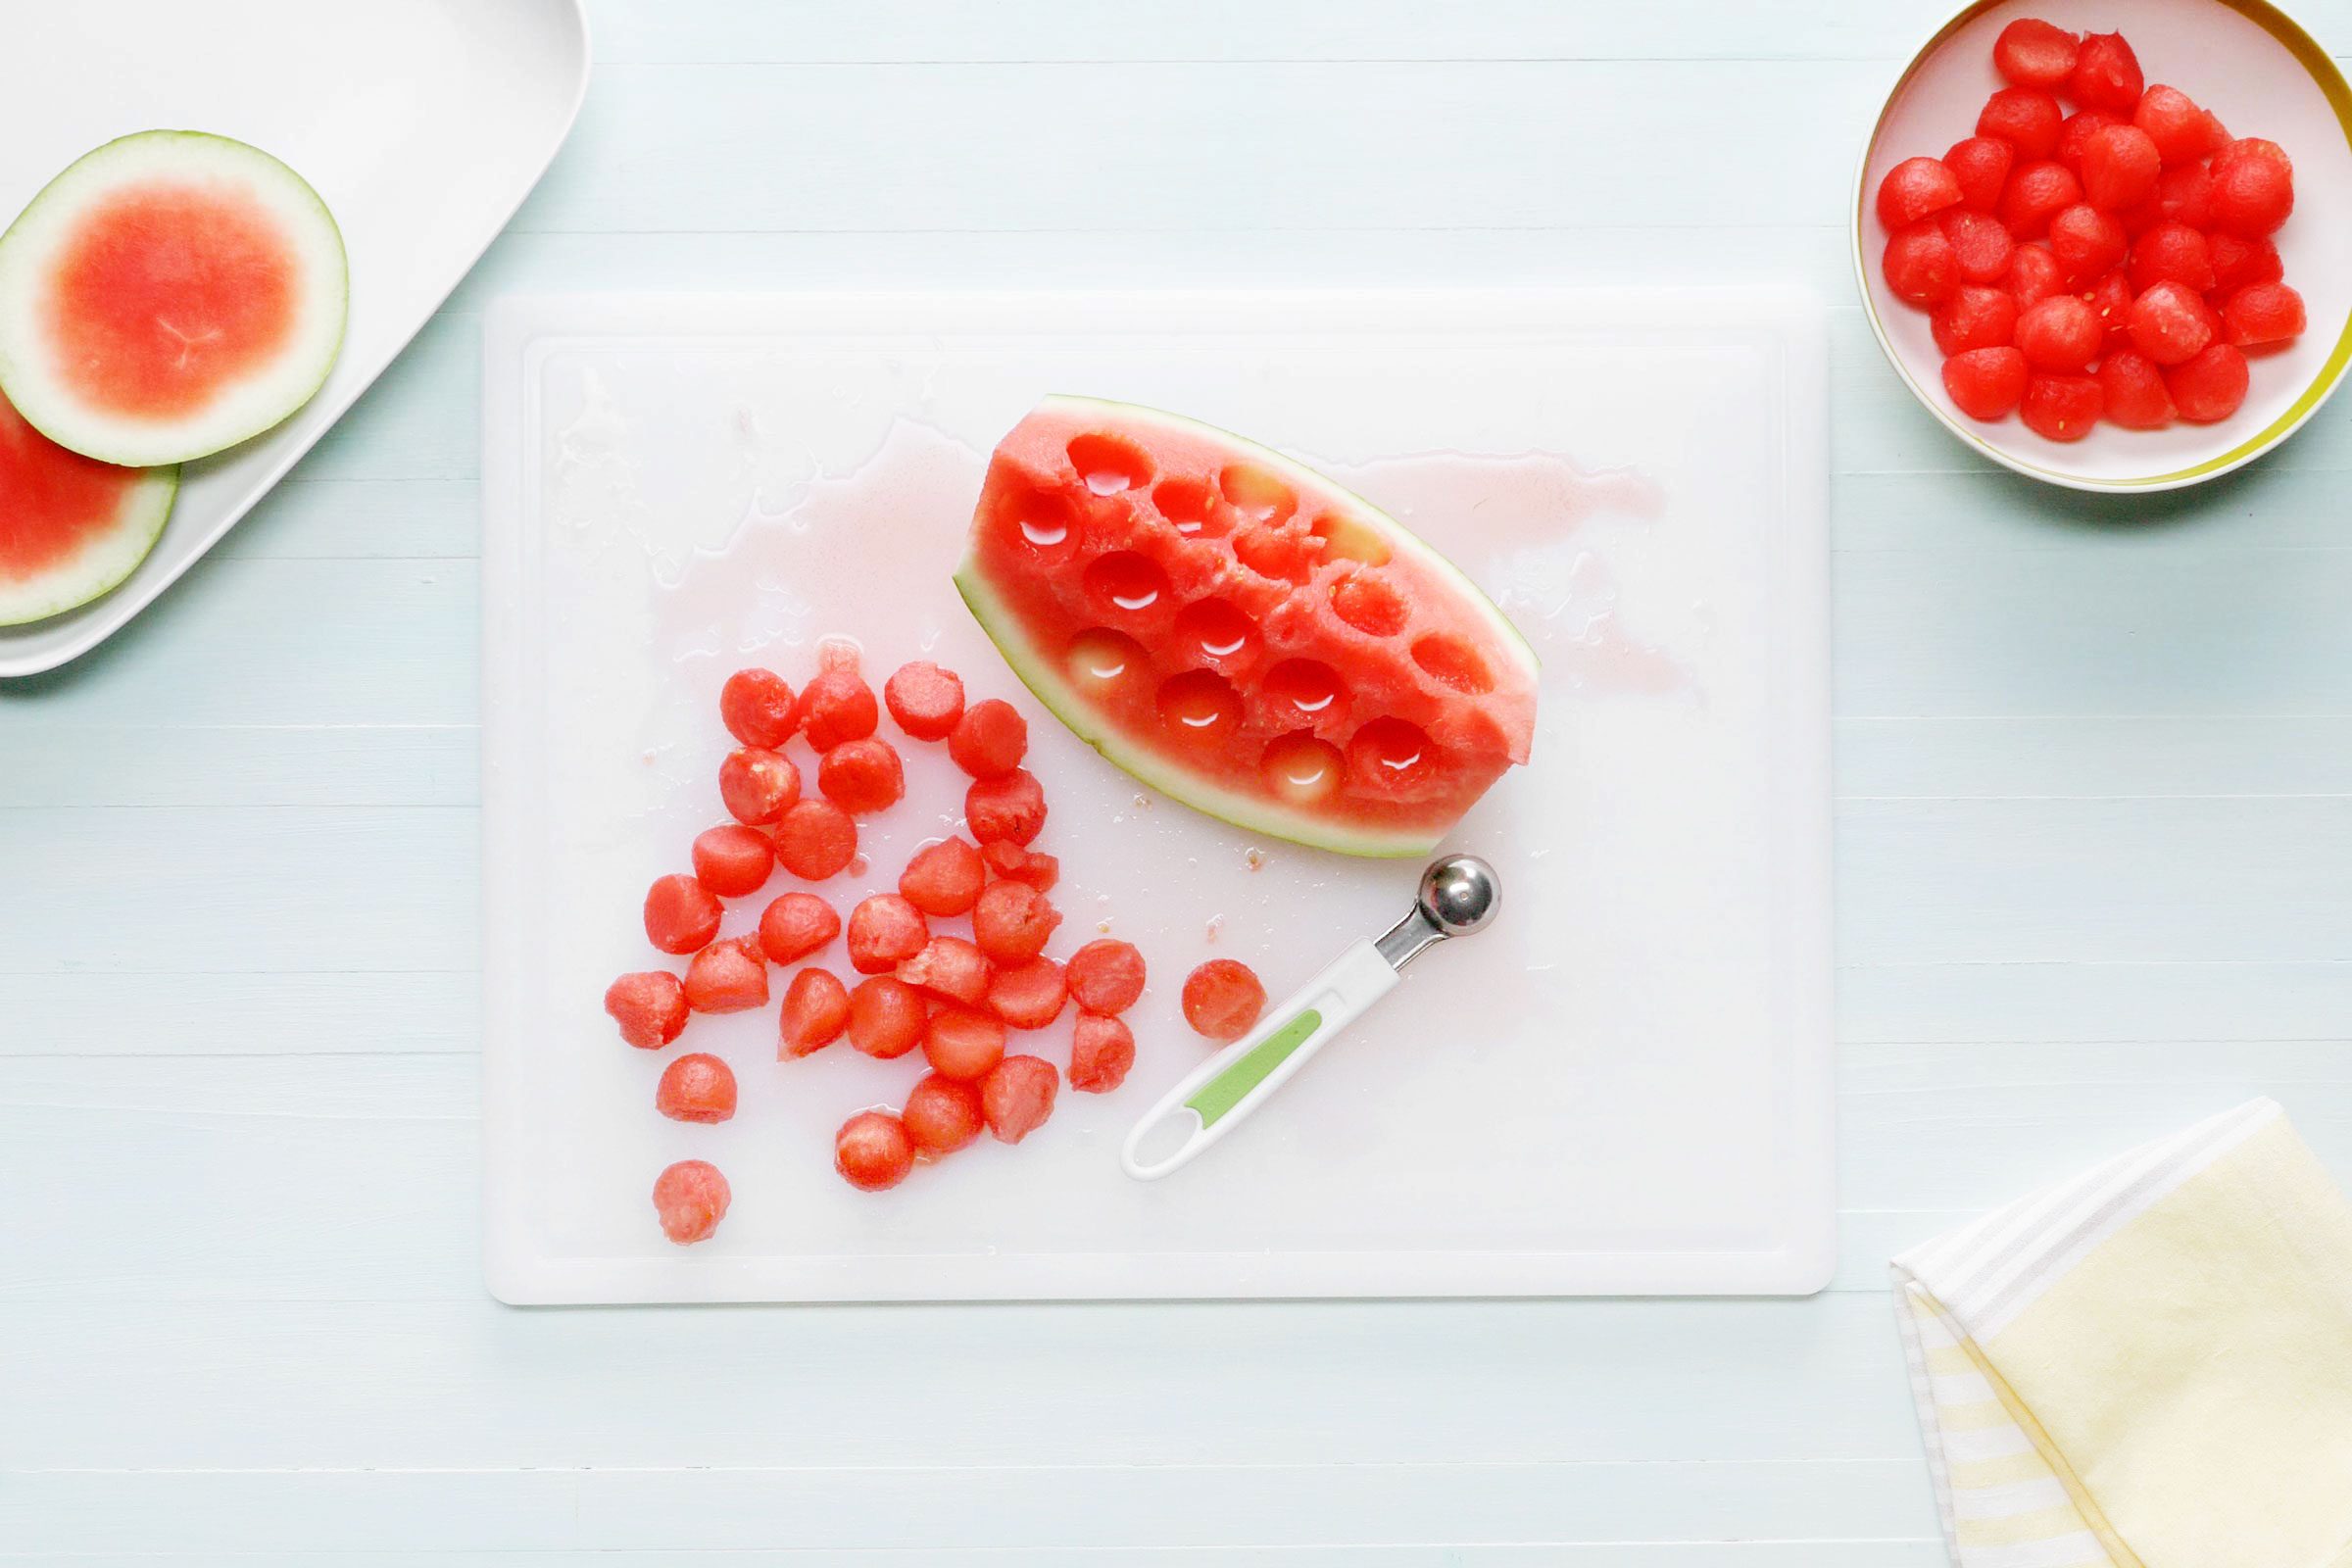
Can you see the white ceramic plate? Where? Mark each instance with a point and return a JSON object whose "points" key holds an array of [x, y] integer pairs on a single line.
{"points": [[423, 124], [2258, 70]]}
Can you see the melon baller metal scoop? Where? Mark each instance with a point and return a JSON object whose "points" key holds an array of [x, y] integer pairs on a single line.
{"points": [[1458, 894]]}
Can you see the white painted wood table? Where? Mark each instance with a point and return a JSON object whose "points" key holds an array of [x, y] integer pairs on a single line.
{"points": [[2095, 834]]}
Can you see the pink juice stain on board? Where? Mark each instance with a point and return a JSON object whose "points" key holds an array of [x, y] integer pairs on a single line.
{"points": [[869, 551], [888, 533], [1511, 523]]}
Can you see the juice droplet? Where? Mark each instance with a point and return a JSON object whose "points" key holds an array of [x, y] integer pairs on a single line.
{"points": [[1043, 533]]}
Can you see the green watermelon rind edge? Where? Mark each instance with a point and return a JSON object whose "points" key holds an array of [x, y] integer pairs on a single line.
{"points": [[1035, 667]]}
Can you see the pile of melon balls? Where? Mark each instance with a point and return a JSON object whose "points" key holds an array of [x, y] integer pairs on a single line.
{"points": [[958, 993], [2100, 248]]}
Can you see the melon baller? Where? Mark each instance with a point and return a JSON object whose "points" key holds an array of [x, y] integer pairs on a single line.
{"points": [[1457, 896]]}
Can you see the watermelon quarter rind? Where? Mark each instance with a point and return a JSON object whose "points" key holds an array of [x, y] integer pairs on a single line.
{"points": [[1041, 667]]}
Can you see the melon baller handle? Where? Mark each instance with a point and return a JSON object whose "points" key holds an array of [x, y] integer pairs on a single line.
{"points": [[1458, 894], [1217, 1095]]}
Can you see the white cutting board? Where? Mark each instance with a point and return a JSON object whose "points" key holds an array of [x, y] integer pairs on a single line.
{"points": [[1623, 1086]]}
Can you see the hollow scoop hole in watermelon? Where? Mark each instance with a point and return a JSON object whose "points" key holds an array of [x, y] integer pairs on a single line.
{"points": [[1234, 629], [1107, 464], [1309, 689], [1452, 660], [1258, 494], [1345, 539], [1191, 506], [1215, 633], [1106, 663], [1301, 769], [168, 295], [1126, 581]]}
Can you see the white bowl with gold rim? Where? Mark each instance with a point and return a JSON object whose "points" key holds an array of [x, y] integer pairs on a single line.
{"points": [[2249, 63]]}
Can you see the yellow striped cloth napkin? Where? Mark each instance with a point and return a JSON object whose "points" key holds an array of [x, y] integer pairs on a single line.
{"points": [[2149, 1366]]}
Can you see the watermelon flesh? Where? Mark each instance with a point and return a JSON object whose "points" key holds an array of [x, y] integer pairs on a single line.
{"points": [[71, 528], [1238, 631], [169, 294]]}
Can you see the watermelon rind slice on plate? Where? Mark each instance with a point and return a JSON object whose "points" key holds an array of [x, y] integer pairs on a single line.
{"points": [[171, 294]]}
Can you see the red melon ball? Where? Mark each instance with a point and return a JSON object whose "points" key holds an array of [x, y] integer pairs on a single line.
{"points": [[2089, 243], [2133, 391], [1980, 245], [1986, 384], [2106, 74], [2170, 323], [2253, 188], [2263, 312], [2182, 131], [2061, 333], [2033, 53], [2038, 193], [1976, 317], [2028, 119], [1912, 190], [2034, 275], [2120, 166], [2062, 408], [2211, 386], [1982, 165]]}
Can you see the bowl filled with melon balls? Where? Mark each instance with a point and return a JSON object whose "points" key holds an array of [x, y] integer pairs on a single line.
{"points": [[2108, 244]]}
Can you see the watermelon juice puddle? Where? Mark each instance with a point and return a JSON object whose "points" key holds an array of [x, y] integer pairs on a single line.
{"points": [[867, 552], [1510, 523]]}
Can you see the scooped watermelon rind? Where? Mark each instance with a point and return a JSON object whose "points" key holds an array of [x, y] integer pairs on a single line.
{"points": [[1040, 666], [55, 397]]}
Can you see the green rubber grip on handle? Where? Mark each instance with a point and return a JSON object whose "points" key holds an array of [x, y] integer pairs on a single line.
{"points": [[1231, 1087]]}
